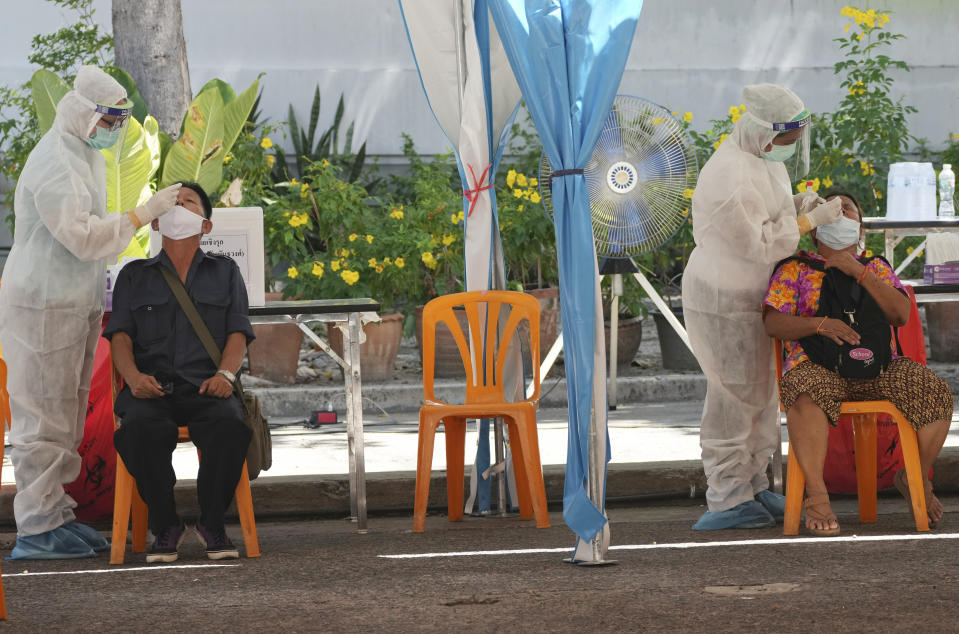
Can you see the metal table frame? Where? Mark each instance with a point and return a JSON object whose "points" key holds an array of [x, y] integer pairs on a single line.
{"points": [[896, 230], [334, 311]]}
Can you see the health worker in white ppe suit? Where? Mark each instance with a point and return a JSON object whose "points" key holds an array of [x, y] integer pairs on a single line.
{"points": [[51, 305], [744, 221]]}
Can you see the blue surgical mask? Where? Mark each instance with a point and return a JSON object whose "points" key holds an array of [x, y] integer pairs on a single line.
{"points": [[103, 139], [840, 234], [779, 153]]}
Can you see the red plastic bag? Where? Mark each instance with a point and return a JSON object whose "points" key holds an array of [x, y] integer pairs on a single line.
{"points": [[93, 488], [839, 472]]}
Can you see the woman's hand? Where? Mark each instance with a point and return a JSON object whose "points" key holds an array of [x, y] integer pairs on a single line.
{"points": [[838, 331], [847, 263], [218, 386]]}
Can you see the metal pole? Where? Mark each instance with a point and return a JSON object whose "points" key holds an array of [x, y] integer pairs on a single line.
{"points": [[355, 427], [661, 305], [617, 284], [500, 460]]}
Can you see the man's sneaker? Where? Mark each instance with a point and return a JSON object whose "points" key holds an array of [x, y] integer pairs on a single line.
{"points": [[216, 542], [166, 544]]}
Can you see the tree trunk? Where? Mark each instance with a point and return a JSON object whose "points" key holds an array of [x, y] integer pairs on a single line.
{"points": [[149, 44]]}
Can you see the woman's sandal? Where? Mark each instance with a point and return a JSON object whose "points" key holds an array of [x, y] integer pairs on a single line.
{"points": [[818, 509], [902, 485]]}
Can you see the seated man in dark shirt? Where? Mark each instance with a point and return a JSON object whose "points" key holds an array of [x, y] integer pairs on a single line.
{"points": [[170, 379]]}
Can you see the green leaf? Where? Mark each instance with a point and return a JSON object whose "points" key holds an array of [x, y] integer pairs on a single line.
{"points": [[226, 90], [47, 90], [236, 112], [128, 179], [124, 79], [197, 156]]}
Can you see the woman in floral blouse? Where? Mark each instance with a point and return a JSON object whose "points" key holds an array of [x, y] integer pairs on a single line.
{"points": [[813, 395]]}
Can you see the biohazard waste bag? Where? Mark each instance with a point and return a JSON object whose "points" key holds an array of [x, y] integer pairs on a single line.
{"points": [[839, 472], [93, 488]]}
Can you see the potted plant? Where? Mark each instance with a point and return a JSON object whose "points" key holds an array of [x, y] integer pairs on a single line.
{"points": [[334, 242]]}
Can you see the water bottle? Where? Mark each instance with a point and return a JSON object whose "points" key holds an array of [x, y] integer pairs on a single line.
{"points": [[947, 189]]}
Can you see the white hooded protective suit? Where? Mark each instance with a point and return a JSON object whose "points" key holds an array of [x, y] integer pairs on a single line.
{"points": [[51, 301], [744, 221]]}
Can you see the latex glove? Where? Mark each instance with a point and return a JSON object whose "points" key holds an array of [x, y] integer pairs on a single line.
{"points": [[806, 201], [826, 213], [160, 203]]}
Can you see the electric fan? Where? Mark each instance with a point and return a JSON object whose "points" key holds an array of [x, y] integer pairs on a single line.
{"points": [[640, 179]]}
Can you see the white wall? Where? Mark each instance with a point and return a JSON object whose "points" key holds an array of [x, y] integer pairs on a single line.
{"points": [[689, 55]]}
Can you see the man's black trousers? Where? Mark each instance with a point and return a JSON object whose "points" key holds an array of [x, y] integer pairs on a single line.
{"points": [[147, 437]]}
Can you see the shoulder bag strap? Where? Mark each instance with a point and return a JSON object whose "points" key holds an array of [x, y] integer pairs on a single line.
{"points": [[191, 314]]}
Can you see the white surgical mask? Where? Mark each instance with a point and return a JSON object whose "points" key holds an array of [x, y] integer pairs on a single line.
{"points": [[779, 153], [840, 234], [180, 223]]}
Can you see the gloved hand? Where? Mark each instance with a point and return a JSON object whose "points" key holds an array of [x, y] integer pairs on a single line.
{"points": [[806, 200], [826, 213], [160, 203]]}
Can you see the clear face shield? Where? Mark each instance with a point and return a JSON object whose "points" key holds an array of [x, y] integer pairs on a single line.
{"points": [[110, 127], [797, 132]]}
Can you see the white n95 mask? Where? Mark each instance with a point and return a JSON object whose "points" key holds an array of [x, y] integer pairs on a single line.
{"points": [[180, 223], [840, 234]]}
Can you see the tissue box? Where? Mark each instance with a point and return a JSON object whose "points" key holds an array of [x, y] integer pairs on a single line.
{"points": [[947, 273]]}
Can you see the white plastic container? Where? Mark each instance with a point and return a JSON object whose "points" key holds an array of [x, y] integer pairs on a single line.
{"points": [[947, 190], [897, 183], [926, 176]]}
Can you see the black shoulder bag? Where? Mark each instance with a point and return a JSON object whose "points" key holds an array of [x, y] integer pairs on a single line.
{"points": [[259, 456], [842, 297]]}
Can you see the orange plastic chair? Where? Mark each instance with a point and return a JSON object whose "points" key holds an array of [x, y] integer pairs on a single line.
{"points": [[6, 418], [864, 415], [485, 398], [127, 500]]}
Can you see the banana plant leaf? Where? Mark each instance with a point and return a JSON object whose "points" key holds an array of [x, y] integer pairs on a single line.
{"points": [[47, 89], [237, 111], [124, 79], [128, 180], [197, 156]]}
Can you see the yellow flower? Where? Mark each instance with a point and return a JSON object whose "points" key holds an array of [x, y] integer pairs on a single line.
{"points": [[909, 250], [428, 260], [292, 272], [335, 265], [827, 182], [686, 211], [386, 261], [878, 194], [369, 239], [266, 143], [742, 107], [688, 193], [293, 182], [379, 268], [720, 141], [734, 117], [533, 182], [455, 218], [510, 178], [372, 263], [304, 190], [733, 110], [533, 198], [397, 213], [448, 239], [343, 253], [955, 136], [517, 193], [325, 163], [299, 219], [869, 253], [687, 117], [270, 160], [226, 159], [521, 180], [353, 237], [658, 120], [318, 269], [399, 262], [848, 24], [350, 277]]}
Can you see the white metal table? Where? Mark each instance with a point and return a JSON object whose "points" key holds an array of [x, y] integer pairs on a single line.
{"points": [[896, 230], [302, 313]]}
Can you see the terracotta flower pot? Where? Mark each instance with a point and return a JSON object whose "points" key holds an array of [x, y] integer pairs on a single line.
{"points": [[378, 352], [629, 336], [275, 353]]}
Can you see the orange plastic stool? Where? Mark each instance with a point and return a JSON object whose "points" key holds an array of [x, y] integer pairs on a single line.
{"points": [[126, 499], [485, 398], [864, 415]]}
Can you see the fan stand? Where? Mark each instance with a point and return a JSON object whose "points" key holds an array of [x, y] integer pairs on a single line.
{"points": [[617, 267]]}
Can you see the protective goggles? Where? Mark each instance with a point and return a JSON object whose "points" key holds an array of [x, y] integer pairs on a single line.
{"points": [[120, 114], [801, 121]]}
